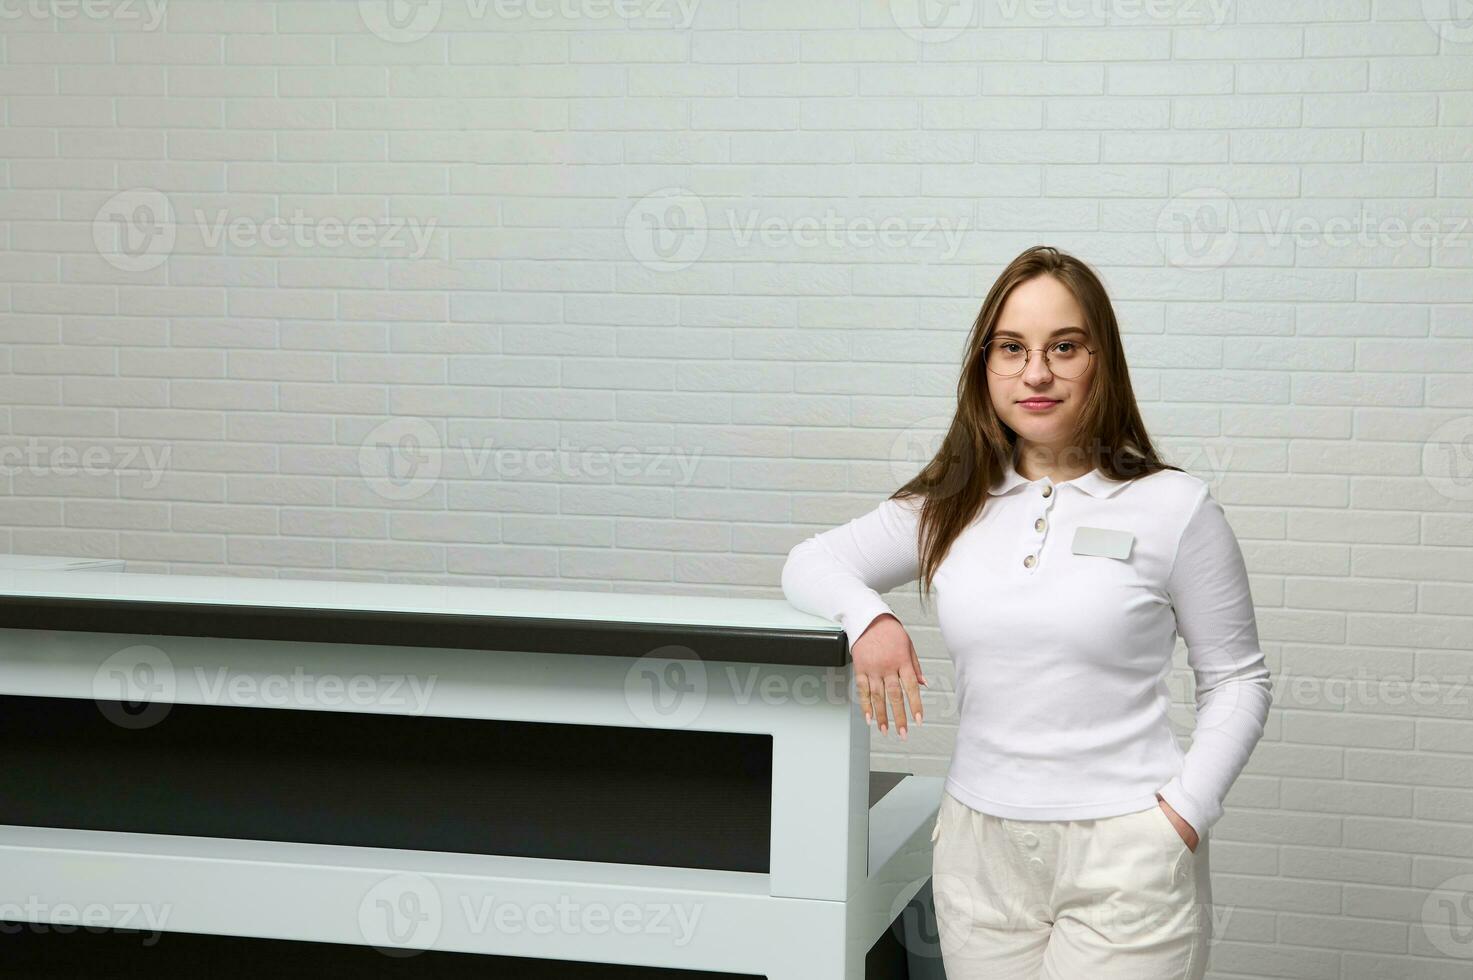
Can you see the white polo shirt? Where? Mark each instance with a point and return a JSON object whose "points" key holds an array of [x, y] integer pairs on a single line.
{"points": [[1061, 658]]}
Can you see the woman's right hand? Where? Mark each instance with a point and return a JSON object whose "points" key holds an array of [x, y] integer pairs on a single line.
{"points": [[887, 672]]}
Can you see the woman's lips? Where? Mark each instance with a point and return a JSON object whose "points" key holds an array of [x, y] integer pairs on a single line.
{"points": [[1039, 404]]}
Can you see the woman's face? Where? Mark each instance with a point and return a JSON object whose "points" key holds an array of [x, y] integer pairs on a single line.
{"points": [[1037, 404]]}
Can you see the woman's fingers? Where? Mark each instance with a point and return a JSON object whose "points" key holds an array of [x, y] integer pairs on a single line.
{"points": [[912, 693], [877, 700], [889, 697], [915, 663], [861, 687], [896, 698]]}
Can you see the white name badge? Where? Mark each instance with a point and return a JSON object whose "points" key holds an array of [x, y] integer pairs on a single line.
{"points": [[1103, 541]]}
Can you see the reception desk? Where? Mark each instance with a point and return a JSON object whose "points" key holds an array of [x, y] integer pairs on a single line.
{"points": [[239, 776]]}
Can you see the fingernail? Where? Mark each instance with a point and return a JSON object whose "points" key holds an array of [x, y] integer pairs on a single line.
{"points": [[902, 735], [919, 719]]}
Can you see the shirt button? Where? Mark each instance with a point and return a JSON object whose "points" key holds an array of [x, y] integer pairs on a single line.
{"points": [[1047, 491], [1038, 524], [1031, 839], [1029, 561]]}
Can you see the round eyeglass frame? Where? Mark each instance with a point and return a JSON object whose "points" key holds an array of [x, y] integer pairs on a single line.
{"points": [[1028, 354]]}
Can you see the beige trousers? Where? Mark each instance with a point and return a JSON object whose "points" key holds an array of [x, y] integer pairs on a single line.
{"points": [[1100, 899]]}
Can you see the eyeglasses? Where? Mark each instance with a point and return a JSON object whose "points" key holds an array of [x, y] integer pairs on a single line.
{"points": [[1066, 359]]}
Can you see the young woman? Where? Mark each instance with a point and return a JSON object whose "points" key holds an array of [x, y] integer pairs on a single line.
{"points": [[1072, 838]]}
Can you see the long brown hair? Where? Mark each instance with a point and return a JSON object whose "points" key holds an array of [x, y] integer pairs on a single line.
{"points": [[972, 455]]}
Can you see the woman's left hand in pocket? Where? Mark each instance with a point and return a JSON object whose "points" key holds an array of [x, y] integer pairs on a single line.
{"points": [[1188, 834]]}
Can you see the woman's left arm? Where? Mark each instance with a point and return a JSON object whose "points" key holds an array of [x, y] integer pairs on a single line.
{"points": [[1208, 585]]}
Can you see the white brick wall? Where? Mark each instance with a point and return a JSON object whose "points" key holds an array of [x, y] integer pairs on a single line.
{"points": [[212, 404]]}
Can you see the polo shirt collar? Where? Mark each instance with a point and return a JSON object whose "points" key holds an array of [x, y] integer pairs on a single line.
{"points": [[1095, 483]]}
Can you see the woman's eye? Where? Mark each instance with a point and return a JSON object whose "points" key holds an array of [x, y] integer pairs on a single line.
{"points": [[1011, 347], [1064, 347]]}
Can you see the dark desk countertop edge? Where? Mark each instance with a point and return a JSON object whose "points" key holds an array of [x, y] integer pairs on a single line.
{"points": [[740, 644]]}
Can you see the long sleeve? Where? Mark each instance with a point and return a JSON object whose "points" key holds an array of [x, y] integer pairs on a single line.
{"points": [[1209, 593], [840, 573]]}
